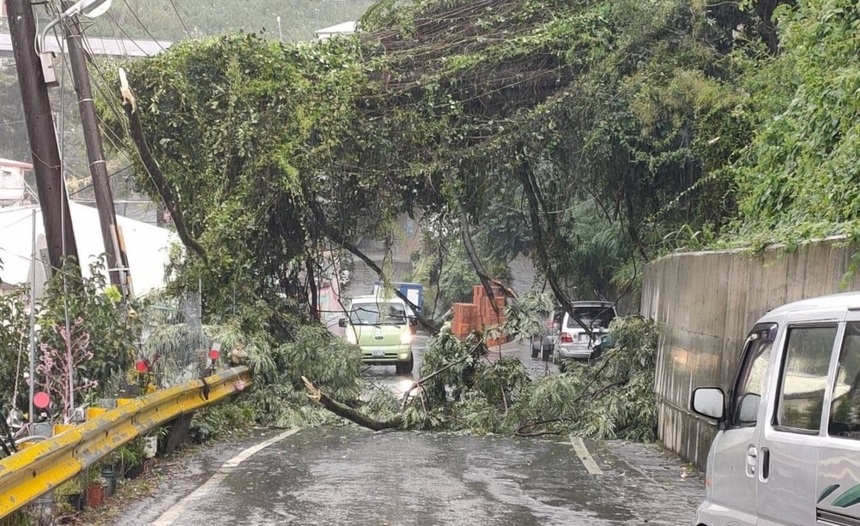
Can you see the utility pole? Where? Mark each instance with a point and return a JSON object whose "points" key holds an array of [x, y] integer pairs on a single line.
{"points": [[95, 151], [53, 199]]}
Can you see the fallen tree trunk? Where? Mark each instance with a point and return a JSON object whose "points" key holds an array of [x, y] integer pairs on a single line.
{"points": [[344, 411]]}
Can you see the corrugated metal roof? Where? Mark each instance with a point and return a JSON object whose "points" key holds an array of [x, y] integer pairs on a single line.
{"points": [[344, 28], [111, 47]]}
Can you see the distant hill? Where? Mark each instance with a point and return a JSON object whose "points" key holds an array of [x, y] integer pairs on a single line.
{"points": [[179, 19]]}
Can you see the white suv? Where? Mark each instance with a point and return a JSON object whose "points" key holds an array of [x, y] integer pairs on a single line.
{"points": [[573, 340]]}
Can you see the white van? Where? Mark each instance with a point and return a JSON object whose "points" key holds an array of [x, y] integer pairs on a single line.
{"points": [[787, 450]]}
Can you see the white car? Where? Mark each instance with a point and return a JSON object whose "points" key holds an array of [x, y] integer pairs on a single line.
{"points": [[573, 341]]}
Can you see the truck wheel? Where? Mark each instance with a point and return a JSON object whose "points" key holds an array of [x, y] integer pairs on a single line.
{"points": [[406, 367]]}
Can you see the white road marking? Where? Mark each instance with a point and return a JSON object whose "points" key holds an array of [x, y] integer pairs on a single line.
{"points": [[175, 512], [586, 458]]}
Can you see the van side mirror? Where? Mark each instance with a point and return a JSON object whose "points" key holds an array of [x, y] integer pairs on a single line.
{"points": [[709, 402], [341, 322]]}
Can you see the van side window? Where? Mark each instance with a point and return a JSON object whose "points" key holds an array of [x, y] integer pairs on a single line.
{"points": [[845, 408], [750, 382], [803, 378]]}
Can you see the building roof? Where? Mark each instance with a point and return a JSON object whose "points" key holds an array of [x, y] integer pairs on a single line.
{"points": [[16, 164], [112, 47], [344, 28]]}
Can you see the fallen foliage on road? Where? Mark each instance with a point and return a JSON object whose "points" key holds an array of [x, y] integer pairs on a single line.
{"points": [[463, 389]]}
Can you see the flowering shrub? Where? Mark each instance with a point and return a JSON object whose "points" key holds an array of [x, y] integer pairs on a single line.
{"points": [[59, 368]]}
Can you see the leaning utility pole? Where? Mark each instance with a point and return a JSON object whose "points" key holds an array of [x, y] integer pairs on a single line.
{"points": [[95, 152], [40, 129]]}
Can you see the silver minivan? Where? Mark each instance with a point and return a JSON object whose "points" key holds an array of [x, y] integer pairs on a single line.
{"points": [[787, 450]]}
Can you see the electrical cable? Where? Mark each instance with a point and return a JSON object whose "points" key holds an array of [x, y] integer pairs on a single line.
{"points": [[86, 187], [142, 26], [62, 188], [129, 37], [179, 17]]}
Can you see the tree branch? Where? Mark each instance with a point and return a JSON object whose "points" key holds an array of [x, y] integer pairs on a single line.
{"points": [[592, 396], [344, 411], [340, 239], [524, 174], [420, 382], [466, 234], [154, 171]]}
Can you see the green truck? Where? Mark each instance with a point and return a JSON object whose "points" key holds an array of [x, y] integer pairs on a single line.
{"points": [[382, 328]]}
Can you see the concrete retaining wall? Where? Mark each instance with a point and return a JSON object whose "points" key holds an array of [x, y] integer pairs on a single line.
{"points": [[705, 303]]}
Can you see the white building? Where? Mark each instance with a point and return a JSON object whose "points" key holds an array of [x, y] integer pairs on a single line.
{"points": [[13, 191], [147, 247], [345, 28]]}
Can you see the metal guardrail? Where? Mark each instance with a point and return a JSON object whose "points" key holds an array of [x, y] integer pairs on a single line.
{"points": [[39, 468]]}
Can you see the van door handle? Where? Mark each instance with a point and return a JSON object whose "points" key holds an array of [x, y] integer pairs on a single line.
{"points": [[764, 473], [752, 460]]}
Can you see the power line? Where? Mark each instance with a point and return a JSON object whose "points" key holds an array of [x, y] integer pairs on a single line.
{"points": [[81, 189], [142, 26], [129, 37], [179, 17]]}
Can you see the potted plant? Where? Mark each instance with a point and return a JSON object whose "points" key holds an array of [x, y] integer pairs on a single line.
{"points": [[70, 492], [129, 458], [96, 492]]}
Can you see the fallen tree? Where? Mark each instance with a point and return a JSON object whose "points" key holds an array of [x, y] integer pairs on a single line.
{"points": [[462, 388]]}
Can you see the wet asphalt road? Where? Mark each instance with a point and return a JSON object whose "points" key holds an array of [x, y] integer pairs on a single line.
{"points": [[352, 476]]}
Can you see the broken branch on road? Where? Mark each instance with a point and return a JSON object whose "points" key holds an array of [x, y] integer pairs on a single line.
{"points": [[344, 411]]}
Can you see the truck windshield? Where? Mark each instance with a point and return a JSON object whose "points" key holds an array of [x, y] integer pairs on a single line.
{"points": [[377, 314]]}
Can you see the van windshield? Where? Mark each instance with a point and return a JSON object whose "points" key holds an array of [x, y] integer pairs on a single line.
{"points": [[595, 316], [377, 314]]}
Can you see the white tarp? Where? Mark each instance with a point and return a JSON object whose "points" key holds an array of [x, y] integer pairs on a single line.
{"points": [[146, 245]]}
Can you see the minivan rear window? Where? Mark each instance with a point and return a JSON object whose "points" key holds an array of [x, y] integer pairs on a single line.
{"points": [[845, 408], [593, 316]]}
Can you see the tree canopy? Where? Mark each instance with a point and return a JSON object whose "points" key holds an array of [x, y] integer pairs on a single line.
{"points": [[606, 131]]}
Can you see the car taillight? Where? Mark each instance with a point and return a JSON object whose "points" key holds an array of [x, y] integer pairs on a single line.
{"points": [[566, 338]]}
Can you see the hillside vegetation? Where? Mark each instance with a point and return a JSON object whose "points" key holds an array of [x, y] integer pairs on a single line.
{"points": [[799, 176]]}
